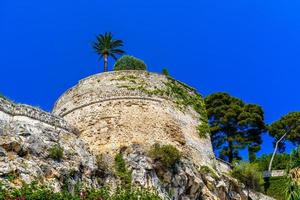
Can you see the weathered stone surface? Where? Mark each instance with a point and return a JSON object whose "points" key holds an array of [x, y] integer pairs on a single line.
{"points": [[185, 181], [102, 115], [24, 152], [117, 109], [19, 111]]}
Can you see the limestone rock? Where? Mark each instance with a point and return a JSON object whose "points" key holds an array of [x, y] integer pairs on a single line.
{"points": [[184, 181], [25, 150], [125, 111], [120, 108]]}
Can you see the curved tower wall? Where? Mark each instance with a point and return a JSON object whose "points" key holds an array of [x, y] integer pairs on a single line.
{"points": [[116, 109]]}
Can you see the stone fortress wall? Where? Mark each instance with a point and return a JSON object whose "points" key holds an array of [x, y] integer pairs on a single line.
{"points": [[116, 109], [11, 112], [108, 86]]}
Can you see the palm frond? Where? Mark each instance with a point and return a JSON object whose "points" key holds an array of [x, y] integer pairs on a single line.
{"points": [[117, 51], [116, 43], [114, 56], [106, 45]]}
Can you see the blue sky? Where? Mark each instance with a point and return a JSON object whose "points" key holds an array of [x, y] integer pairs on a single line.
{"points": [[250, 49]]}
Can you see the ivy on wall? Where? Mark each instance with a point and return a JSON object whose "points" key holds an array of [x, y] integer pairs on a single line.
{"points": [[183, 96]]}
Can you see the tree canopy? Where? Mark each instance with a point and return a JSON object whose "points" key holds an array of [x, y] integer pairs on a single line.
{"points": [[288, 125], [280, 162], [234, 125], [129, 63]]}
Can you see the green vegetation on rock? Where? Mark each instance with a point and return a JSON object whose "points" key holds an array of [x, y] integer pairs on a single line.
{"points": [[56, 152], [275, 187], [165, 72], [249, 175], [281, 161], [122, 171], [292, 189], [182, 95], [185, 96], [167, 155], [208, 170], [36, 192], [129, 63], [294, 158], [286, 187]]}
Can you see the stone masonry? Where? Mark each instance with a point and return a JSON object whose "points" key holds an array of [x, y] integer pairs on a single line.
{"points": [[114, 109]]}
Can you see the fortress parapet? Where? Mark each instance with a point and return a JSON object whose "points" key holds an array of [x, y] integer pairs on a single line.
{"points": [[11, 109], [131, 84]]}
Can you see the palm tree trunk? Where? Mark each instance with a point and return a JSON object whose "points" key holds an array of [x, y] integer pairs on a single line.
{"points": [[105, 62]]}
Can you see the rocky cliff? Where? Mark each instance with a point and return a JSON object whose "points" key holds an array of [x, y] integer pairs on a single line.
{"points": [[30, 140], [117, 113]]}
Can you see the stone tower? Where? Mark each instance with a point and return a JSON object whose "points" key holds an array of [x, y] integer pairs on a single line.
{"points": [[116, 109]]}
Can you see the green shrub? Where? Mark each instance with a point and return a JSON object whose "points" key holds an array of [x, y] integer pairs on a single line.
{"points": [[249, 175], [282, 188], [129, 63], [12, 176], [281, 161], [165, 154], [122, 171], [292, 189], [275, 187], [292, 186], [56, 152], [294, 158], [165, 72], [35, 192], [207, 170]]}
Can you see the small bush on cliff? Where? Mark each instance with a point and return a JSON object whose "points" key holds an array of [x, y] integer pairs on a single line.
{"points": [[165, 72], [122, 171], [56, 152], [165, 154], [249, 175], [207, 170], [129, 63]]}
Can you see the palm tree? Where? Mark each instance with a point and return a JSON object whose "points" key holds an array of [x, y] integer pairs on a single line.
{"points": [[106, 46]]}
